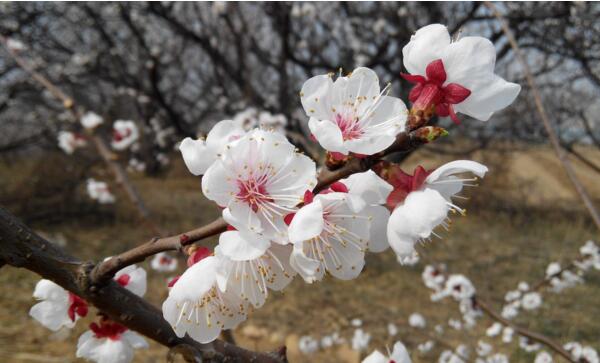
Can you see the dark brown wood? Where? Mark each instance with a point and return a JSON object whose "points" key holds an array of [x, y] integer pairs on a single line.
{"points": [[21, 247]]}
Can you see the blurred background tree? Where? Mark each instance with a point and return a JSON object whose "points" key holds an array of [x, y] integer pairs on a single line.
{"points": [[177, 68]]}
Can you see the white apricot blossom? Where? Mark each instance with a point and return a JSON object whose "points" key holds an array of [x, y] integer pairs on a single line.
{"points": [[162, 262], [58, 307], [91, 120], [252, 279], [455, 76], [352, 114], [99, 191], [374, 191], [109, 342], [426, 204], [198, 155], [133, 278], [259, 180], [330, 234], [69, 141], [198, 306], [125, 133], [399, 355], [417, 320]]}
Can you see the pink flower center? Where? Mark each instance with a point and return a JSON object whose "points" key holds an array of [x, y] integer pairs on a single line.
{"points": [[254, 192], [120, 135], [77, 306], [123, 280], [108, 329], [430, 91], [164, 260], [349, 126]]}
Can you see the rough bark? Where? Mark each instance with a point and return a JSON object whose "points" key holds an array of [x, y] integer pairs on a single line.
{"points": [[21, 247]]}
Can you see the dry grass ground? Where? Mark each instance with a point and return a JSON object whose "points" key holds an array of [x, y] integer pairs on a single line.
{"points": [[522, 217]]}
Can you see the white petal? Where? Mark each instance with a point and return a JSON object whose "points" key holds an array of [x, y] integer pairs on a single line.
{"points": [[470, 62], [361, 88], [217, 184], [491, 96], [415, 219], [52, 315], [376, 357], [379, 221], [456, 167], [293, 180], [443, 180], [328, 134], [137, 279], [134, 339], [425, 46], [223, 133], [196, 280], [48, 290], [400, 354], [242, 217], [315, 96], [85, 344], [113, 351], [369, 186], [196, 156], [242, 247], [306, 267], [307, 223], [355, 202]]}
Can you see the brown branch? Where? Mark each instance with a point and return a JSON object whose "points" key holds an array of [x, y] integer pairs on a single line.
{"points": [[21, 247], [554, 140], [105, 271], [103, 150], [522, 331]]}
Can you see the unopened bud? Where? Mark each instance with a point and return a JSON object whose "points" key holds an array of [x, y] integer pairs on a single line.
{"points": [[68, 103], [418, 117], [429, 133]]}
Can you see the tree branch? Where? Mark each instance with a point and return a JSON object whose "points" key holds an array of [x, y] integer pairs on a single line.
{"points": [[522, 331], [104, 271], [119, 173], [21, 247], [554, 140]]}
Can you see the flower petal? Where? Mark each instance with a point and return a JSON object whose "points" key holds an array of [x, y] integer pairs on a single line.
{"points": [[425, 46], [369, 186], [307, 223], [378, 233], [242, 246], [470, 63], [196, 156], [415, 219], [306, 267], [456, 167], [315, 96], [215, 186], [328, 134]]}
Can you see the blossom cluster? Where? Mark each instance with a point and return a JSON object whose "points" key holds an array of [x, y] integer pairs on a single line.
{"points": [[525, 297], [282, 223], [106, 340]]}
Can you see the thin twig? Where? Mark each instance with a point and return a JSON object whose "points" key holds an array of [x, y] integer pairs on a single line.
{"points": [[104, 271], [522, 331], [554, 140], [21, 247], [102, 148]]}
